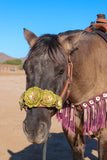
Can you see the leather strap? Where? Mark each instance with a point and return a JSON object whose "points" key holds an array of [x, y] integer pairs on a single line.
{"points": [[66, 90]]}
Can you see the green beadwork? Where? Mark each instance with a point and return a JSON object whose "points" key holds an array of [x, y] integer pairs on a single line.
{"points": [[21, 100], [32, 97], [48, 98], [58, 102], [35, 96]]}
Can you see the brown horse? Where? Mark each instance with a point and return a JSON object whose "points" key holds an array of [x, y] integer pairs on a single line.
{"points": [[47, 68]]}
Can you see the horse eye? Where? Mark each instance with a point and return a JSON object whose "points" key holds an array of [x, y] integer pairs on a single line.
{"points": [[61, 71]]}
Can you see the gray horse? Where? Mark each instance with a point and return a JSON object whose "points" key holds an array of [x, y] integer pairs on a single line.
{"points": [[49, 62]]}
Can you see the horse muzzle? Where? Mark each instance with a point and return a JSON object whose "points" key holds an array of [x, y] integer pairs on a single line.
{"points": [[38, 137]]}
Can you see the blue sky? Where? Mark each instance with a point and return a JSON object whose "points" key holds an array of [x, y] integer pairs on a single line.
{"points": [[43, 16]]}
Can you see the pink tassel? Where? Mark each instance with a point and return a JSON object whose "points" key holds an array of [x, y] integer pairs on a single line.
{"points": [[86, 118], [106, 111], [72, 119], [66, 119], [64, 115], [93, 118], [58, 116], [104, 97], [99, 105]]}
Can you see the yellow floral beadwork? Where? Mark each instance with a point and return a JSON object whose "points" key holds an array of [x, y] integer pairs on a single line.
{"points": [[35, 96], [32, 97], [48, 98], [58, 102]]}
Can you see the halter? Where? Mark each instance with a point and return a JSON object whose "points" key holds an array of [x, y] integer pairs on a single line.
{"points": [[66, 90]]}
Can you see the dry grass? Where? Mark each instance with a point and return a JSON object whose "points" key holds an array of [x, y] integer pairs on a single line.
{"points": [[8, 73]]}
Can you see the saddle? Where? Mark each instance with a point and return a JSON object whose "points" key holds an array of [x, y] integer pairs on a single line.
{"points": [[100, 27]]}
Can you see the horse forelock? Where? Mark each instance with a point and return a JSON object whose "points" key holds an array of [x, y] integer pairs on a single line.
{"points": [[48, 44]]}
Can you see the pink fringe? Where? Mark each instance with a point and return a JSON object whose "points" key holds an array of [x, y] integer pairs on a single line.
{"points": [[95, 111]]}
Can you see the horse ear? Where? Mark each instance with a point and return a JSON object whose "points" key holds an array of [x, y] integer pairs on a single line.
{"points": [[69, 41], [30, 37]]}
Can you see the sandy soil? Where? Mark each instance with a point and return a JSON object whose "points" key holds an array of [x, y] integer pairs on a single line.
{"points": [[13, 143]]}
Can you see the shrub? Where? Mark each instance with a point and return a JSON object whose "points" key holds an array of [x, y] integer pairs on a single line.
{"points": [[13, 62]]}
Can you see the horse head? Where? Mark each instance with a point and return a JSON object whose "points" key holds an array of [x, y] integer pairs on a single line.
{"points": [[46, 68]]}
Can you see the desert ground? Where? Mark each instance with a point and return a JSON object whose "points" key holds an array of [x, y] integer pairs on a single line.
{"points": [[13, 143]]}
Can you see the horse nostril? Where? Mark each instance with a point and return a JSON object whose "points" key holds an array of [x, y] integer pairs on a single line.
{"points": [[25, 121], [42, 128]]}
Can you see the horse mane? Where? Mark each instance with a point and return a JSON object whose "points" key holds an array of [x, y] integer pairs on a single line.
{"points": [[69, 32], [47, 43]]}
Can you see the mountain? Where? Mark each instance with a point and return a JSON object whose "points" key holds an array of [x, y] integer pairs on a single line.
{"points": [[23, 59], [4, 57]]}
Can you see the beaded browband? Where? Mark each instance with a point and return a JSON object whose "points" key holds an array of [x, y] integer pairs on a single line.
{"points": [[35, 97]]}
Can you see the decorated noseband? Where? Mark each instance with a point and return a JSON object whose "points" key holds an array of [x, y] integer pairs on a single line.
{"points": [[36, 97]]}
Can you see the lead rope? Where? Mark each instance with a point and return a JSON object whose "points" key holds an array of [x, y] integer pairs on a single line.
{"points": [[44, 151]]}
